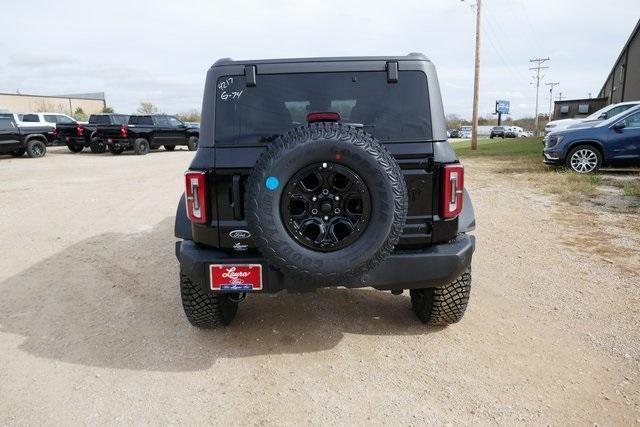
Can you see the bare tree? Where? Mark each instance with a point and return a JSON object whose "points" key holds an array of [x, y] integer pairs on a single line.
{"points": [[147, 108], [192, 115]]}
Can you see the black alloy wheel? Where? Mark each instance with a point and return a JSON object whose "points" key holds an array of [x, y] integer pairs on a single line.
{"points": [[325, 206]]}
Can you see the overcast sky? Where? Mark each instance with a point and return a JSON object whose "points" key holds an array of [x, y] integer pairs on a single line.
{"points": [[159, 51]]}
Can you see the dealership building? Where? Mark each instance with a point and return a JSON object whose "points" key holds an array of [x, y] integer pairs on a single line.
{"points": [[622, 83], [22, 103]]}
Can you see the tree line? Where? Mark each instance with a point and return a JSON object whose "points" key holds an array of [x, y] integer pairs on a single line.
{"points": [[192, 115]]}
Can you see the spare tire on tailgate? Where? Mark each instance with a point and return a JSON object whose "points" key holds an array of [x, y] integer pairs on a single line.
{"points": [[326, 202]]}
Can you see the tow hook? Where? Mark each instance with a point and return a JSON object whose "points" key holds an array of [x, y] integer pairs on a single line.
{"points": [[241, 298]]}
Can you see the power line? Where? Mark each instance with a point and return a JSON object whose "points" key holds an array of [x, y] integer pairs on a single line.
{"points": [[551, 85], [537, 68]]}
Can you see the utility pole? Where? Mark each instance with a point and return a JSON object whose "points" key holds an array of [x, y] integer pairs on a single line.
{"points": [[537, 68], [551, 85], [560, 96], [476, 80]]}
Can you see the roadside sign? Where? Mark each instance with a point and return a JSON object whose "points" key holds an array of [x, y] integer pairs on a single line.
{"points": [[502, 106]]}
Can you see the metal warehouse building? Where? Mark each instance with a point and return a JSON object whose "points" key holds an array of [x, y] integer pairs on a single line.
{"points": [[20, 103], [622, 84]]}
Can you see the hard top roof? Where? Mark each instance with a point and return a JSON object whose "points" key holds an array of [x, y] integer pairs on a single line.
{"points": [[414, 56]]}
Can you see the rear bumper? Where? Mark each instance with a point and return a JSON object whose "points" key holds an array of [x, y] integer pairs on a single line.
{"points": [[430, 267], [72, 140]]}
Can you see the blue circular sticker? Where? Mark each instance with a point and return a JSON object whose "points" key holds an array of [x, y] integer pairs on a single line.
{"points": [[272, 183]]}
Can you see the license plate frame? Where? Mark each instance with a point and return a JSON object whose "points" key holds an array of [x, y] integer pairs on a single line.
{"points": [[235, 277]]}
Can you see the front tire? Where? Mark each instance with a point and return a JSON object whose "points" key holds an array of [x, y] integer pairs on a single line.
{"points": [[443, 305], [36, 148], [192, 144], [141, 146], [584, 159], [206, 310]]}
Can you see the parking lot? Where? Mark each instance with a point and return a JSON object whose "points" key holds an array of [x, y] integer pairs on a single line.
{"points": [[92, 331]]}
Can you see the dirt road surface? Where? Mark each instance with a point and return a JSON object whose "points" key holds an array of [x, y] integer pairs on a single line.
{"points": [[92, 331]]}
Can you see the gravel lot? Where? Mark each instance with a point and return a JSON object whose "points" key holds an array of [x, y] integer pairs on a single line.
{"points": [[92, 331]]}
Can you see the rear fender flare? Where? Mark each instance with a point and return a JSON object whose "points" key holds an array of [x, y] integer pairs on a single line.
{"points": [[467, 218], [182, 228], [39, 137]]}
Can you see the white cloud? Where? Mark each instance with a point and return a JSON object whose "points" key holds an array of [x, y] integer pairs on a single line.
{"points": [[160, 51]]}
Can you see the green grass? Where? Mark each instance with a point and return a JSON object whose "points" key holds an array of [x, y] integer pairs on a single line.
{"points": [[631, 189], [502, 148], [523, 156]]}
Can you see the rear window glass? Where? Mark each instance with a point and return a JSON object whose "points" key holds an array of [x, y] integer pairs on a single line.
{"points": [[32, 118], [56, 118], [120, 119], [279, 102], [6, 123], [141, 120], [99, 119]]}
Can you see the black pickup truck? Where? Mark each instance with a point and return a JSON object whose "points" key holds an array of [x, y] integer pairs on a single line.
{"points": [[146, 132], [16, 140], [77, 136]]}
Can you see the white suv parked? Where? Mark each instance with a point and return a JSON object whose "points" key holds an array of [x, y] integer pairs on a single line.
{"points": [[46, 119], [602, 114]]}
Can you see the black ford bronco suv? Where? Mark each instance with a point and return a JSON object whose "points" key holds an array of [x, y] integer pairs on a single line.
{"points": [[324, 172]]}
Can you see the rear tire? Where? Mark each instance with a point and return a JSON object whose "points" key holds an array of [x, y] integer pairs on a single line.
{"points": [[169, 147], [75, 148], [206, 310], [192, 144], [97, 146], [115, 150], [36, 148], [443, 305], [141, 146], [18, 153]]}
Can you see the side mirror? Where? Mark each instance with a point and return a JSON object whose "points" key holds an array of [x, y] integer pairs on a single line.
{"points": [[619, 126]]}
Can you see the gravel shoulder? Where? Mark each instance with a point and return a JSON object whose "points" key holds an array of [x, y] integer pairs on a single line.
{"points": [[92, 332]]}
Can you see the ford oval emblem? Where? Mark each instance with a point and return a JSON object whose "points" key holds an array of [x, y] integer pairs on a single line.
{"points": [[239, 234]]}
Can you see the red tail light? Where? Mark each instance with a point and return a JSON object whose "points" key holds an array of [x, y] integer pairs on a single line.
{"points": [[195, 196], [79, 130], [327, 116], [123, 131], [55, 132], [452, 190]]}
